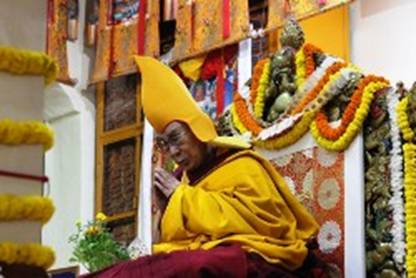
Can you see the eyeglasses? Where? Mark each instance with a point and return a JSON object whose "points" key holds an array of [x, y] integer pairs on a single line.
{"points": [[174, 139]]}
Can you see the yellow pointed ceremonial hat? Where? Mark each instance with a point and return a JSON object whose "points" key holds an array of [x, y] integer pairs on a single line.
{"points": [[165, 99]]}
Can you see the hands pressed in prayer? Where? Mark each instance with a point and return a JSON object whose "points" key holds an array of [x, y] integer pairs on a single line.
{"points": [[165, 181]]}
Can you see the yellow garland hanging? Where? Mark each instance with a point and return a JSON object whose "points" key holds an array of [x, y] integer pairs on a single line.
{"points": [[28, 132], [33, 208], [403, 120], [236, 120], [31, 254], [20, 61], [351, 131], [300, 68], [409, 150], [290, 137], [261, 91]]}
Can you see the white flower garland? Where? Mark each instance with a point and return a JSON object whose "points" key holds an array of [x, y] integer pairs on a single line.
{"points": [[317, 75], [333, 87], [396, 179], [280, 127]]}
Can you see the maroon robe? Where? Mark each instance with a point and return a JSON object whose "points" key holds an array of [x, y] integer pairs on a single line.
{"points": [[222, 261]]}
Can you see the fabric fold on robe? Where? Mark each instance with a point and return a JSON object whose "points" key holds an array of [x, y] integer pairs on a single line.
{"points": [[242, 201]]}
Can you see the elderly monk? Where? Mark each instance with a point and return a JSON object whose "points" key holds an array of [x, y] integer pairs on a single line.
{"points": [[230, 214]]}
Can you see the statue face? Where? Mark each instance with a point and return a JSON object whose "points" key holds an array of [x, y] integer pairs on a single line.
{"points": [[292, 35]]}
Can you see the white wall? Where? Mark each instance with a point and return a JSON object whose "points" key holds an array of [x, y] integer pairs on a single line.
{"points": [[69, 166], [61, 165], [383, 38], [23, 24]]}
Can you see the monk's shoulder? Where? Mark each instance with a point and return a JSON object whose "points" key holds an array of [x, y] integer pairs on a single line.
{"points": [[244, 162]]}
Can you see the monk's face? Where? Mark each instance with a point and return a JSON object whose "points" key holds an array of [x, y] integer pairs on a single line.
{"points": [[182, 146]]}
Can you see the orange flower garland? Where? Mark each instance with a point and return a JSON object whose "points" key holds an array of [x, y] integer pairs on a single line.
{"points": [[321, 119], [309, 50], [255, 80], [244, 115], [321, 84], [353, 128]]}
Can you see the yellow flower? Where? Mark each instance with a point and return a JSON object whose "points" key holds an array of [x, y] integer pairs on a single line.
{"points": [[101, 217], [92, 230]]}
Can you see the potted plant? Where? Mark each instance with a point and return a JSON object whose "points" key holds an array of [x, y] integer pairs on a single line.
{"points": [[94, 246]]}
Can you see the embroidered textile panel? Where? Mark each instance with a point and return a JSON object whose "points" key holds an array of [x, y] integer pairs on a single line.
{"points": [[57, 36], [199, 25], [316, 177], [117, 37]]}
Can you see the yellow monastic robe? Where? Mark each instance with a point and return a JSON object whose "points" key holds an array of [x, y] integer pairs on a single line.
{"points": [[241, 201]]}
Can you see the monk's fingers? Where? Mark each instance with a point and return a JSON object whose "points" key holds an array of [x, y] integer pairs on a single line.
{"points": [[159, 177], [163, 189], [165, 174], [160, 171], [160, 183]]}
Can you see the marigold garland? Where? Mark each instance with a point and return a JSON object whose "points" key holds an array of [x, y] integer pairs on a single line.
{"points": [[310, 82], [353, 128], [255, 79], [300, 68], [261, 91], [244, 115], [20, 61], [27, 132], [236, 121], [31, 254], [311, 95], [33, 208], [321, 119], [291, 136], [309, 50], [409, 150], [407, 131], [324, 94]]}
